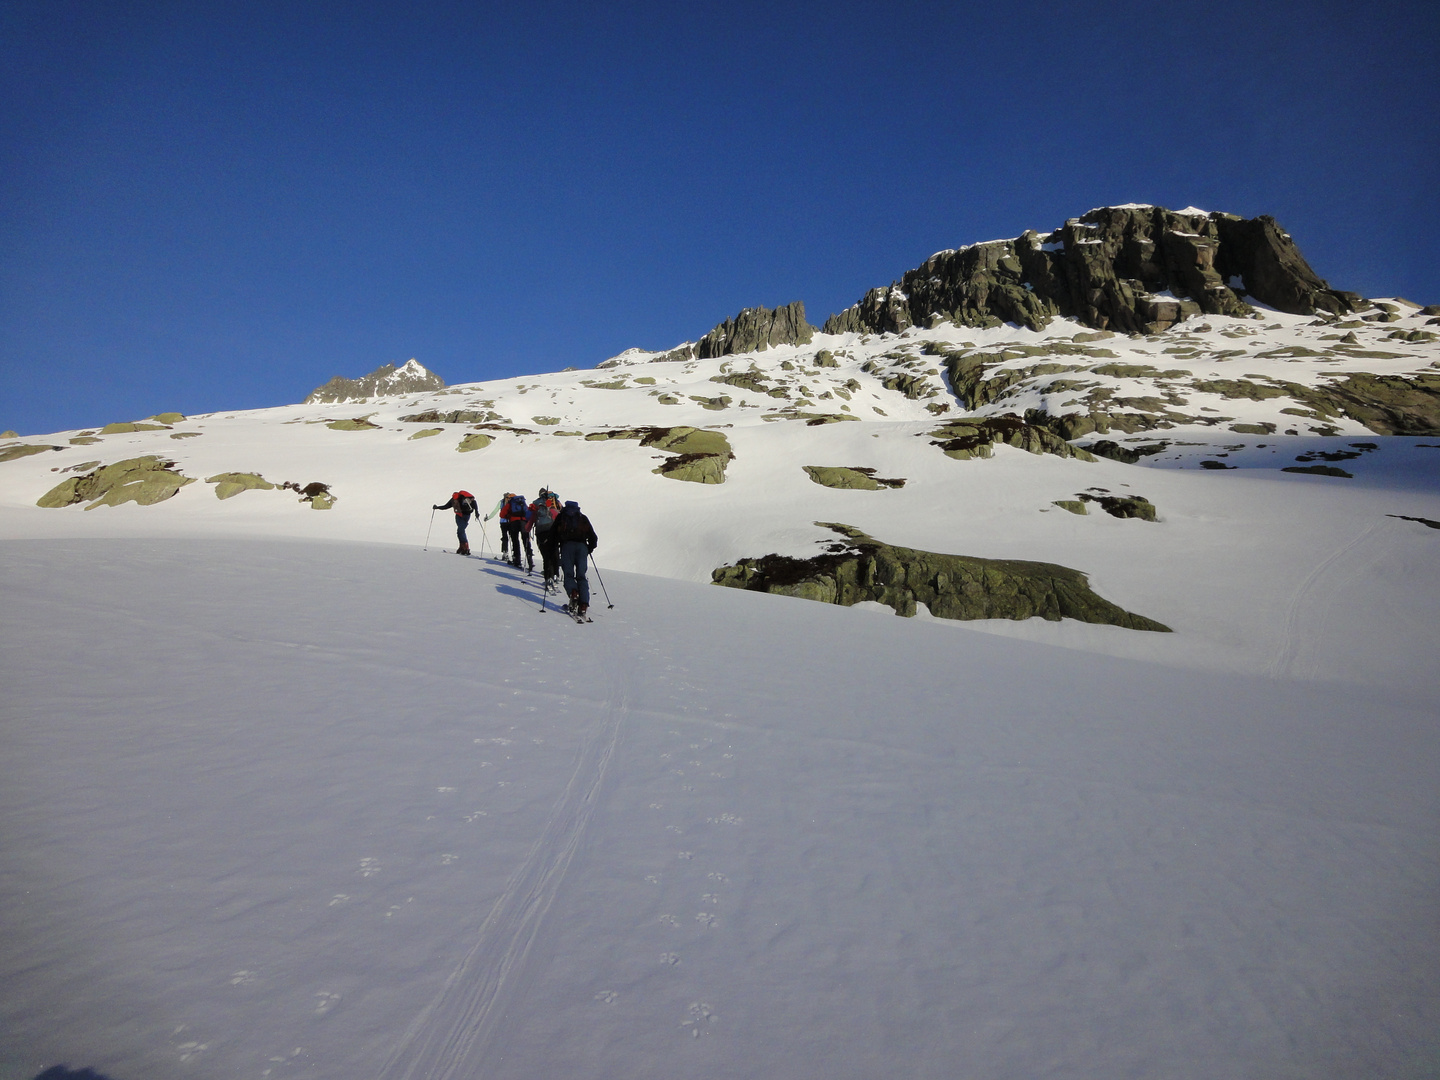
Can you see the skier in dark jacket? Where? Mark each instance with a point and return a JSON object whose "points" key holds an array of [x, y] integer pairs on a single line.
{"points": [[576, 537], [463, 503], [543, 512]]}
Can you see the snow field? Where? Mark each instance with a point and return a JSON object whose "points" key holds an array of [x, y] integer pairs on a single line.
{"points": [[312, 810]]}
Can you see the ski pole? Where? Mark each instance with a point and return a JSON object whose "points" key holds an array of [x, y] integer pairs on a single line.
{"points": [[545, 592], [602, 584], [427, 531], [484, 537]]}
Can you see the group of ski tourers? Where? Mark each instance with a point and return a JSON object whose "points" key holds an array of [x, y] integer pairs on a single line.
{"points": [[563, 534]]}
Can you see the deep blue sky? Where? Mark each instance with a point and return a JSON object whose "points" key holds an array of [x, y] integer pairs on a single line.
{"points": [[220, 205]]}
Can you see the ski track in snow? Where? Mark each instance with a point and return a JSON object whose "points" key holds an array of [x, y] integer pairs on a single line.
{"points": [[452, 1036], [1288, 660]]}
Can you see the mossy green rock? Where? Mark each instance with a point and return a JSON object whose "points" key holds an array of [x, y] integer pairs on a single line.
{"points": [[85, 440], [9, 434], [169, 418], [856, 478], [127, 428], [233, 483], [14, 453], [475, 441], [696, 468], [951, 586], [359, 423], [144, 480], [701, 454], [425, 433], [322, 501], [1122, 506], [1075, 506]]}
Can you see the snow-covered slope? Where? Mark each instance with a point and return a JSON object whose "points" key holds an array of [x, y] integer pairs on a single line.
{"points": [[1224, 565], [280, 804], [324, 810]]}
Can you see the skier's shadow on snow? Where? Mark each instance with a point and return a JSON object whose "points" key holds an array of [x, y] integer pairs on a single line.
{"points": [[513, 583]]}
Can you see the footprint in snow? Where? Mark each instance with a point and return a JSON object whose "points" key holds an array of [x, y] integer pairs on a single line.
{"points": [[369, 867], [701, 1016], [325, 1001], [609, 997], [242, 978], [669, 959]]}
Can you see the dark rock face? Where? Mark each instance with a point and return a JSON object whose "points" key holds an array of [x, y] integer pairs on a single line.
{"points": [[410, 378], [1134, 269], [975, 437], [757, 328], [951, 586]]}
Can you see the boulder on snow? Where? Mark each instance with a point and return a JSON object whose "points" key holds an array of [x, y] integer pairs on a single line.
{"points": [[230, 484], [952, 586], [854, 478], [144, 480], [14, 453]]}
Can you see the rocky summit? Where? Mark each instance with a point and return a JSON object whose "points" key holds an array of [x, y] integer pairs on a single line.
{"points": [[1132, 268], [385, 381]]}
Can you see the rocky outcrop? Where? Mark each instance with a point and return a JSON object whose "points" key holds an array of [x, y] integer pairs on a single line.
{"points": [[700, 455], [951, 586], [387, 380], [144, 480], [1135, 269], [230, 484], [975, 437], [14, 453], [753, 330], [456, 416], [852, 478]]}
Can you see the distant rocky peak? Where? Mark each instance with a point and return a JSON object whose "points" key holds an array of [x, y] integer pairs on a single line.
{"points": [[385, 381], [1133, 268]]}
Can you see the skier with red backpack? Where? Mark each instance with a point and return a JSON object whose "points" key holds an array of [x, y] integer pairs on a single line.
{"points": [[463, 503], [515, 527]]}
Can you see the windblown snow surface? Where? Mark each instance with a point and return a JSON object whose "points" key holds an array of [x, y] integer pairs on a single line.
{"points": [[279, 803]]}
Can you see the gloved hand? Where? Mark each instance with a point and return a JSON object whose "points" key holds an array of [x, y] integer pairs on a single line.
{"points": [[437, 508]]}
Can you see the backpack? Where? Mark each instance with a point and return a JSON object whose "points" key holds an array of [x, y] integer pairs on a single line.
{"points": [[547, 508], [568, 525], [518, 507], [465, 503]]}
